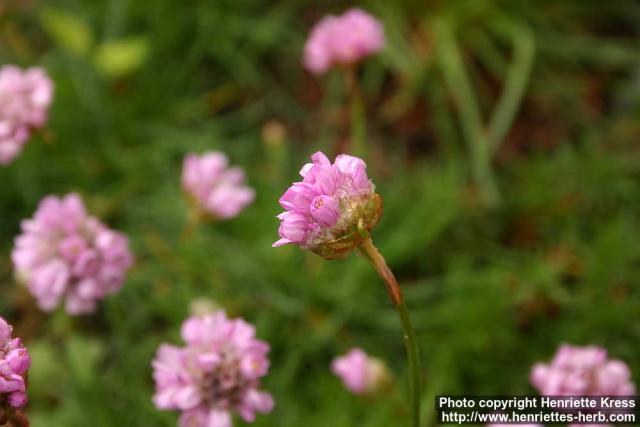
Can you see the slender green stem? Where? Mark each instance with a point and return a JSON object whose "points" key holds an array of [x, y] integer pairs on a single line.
{"points": [[377, 260], [357, 114], [413, 355]]}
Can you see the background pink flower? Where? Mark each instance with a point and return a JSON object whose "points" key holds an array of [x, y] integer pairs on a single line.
{"points": [[582, 371], [359, 372], [217, 189], [65, 254], [25, 97], [217, 373], [14, 363], [344, 39]]}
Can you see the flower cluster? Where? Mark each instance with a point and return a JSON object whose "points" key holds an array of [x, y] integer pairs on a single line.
{"points": [[359, 372], [14, 363], [216, 189], [24, 100], [218, 372], [325, 211], [342, 40], [64, 253], [582, 371]]}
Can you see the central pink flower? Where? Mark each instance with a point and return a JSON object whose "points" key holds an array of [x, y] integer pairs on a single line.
{"points": [[330, 203]]}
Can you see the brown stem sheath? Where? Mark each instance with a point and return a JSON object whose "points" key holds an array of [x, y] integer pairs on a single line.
{"points": [[368, 249], [16, 419]]}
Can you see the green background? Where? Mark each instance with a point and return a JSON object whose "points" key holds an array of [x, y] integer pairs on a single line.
{"points": [[493, 288]]}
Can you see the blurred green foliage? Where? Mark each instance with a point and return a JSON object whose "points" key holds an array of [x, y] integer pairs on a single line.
{"points": [[554, 86]]}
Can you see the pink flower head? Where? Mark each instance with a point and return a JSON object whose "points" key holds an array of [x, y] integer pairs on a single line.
{"points": [[215, 188], [342, 40], [582, 371], [25, 97], [360, 373], [64, 253], [14, 363], [217, 373], [325, 210]]}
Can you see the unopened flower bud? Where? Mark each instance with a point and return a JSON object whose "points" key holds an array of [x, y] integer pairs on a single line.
{"points": [[203, 306]]}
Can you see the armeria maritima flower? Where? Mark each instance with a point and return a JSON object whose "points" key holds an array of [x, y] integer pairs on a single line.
{"points": [[65, 254], [582, 371], [25, 97], [14, 363], [342, 40], [217, 190], [331, 212], [360, 373], [217, 373], [325, 211]]}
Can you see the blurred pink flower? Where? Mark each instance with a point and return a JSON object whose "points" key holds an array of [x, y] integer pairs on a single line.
{"points": [[14, 363], [328, 204], [217, 373], [217, 189], [25, 97], [64, 253], [342, 40], [582, 371], [360, 373]]}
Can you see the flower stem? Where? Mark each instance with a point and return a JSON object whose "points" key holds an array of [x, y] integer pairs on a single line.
{"points": [[377, 260], [413, 355], [193, 220]]}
